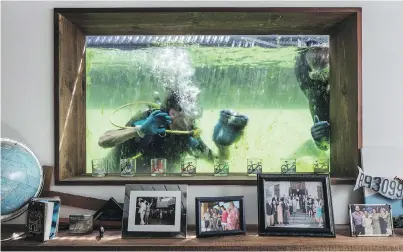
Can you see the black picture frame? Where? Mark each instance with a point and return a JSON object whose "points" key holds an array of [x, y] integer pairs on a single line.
{"points": [[181, 233], [242, 225], [329, 228]]}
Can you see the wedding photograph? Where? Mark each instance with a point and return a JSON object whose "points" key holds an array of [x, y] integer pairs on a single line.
{"points": [[370, 220], [294, 204]]}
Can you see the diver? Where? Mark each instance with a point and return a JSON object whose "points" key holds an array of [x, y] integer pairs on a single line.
{"points": [[312, 72], [146, 134]]}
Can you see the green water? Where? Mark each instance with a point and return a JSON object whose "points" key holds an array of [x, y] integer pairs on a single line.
{"points": [[257, 82]]}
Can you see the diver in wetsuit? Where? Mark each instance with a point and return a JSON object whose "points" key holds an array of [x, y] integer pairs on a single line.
{"points": [[312, 72], [147, 135]]}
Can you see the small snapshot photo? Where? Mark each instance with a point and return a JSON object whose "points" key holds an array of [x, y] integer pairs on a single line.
{"points": [[155, 211], [294, 204], [220, 216], [371, 220]]}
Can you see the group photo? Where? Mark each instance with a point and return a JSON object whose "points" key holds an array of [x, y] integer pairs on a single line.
{"points": [[371, 220], [155, 211], [296, 204], [220, 216]]}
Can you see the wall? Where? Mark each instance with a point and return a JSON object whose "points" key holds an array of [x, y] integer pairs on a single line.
{"points": [[27, 87]]}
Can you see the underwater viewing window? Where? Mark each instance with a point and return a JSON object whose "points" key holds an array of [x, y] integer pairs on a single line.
{"points": [[206, 96]]}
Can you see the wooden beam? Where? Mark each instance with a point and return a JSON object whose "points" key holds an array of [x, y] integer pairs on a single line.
{"points": [[70, 119], [64, 11], [344, 82], [47, 177], [194, 180], [207, 22], [77, 201], [359, 98]]}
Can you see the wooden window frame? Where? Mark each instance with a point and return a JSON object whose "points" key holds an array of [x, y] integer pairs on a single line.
{"points": [[71, 25]]}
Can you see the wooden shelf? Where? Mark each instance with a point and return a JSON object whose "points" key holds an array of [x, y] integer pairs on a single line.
{"points": [[198, 179], [249, 242]]}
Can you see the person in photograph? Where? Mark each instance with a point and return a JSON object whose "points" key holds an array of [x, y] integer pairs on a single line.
{"points": [[280, 213], [142, 210], [358, 222], [275, 211], [148, 209], [216, 219], [270, 213], [233, 217], [212, 218], [291, 207], [310, 208], [318, 216], [300, 200], [388, 223], [368, 223], [305, 204], [382, 220], [315, 206], [224, 217], [376, 226], [206, 218], [294, 205], [298, 204], [286, 212]]}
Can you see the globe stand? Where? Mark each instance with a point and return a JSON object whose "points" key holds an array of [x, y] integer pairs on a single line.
{"points": [[13, 232], [7, 236]]}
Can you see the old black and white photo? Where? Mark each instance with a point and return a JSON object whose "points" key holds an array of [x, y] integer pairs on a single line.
{"points": [[155, 211]]}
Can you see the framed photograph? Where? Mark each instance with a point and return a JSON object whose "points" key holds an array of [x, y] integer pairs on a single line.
{"points": [[295, 205], [154, 211], [218, 216], [371, 220]]}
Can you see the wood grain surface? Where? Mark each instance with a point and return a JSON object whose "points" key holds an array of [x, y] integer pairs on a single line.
{"points": [[249, 242], [344, 93], [70, 119], [208, 21], [199, 179]]}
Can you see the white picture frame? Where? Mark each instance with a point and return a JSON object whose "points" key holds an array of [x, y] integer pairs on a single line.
{"points": [[135, 195], [133, 224]]}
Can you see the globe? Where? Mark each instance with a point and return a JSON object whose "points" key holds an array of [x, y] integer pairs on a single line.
{"points": [[21, 178]]}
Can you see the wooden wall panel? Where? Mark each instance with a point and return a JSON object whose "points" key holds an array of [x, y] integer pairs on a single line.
{"points": [[207, 21], [344, 109], [70, 87]]}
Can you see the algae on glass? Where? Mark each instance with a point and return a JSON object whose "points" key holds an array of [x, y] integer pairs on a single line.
{"points": [[257, 82]]}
